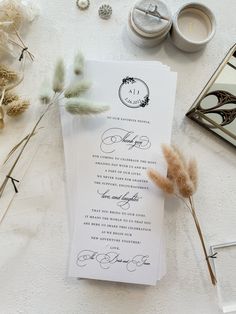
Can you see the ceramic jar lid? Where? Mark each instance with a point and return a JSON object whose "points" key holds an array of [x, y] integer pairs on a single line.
{"points": [[151, 19]]}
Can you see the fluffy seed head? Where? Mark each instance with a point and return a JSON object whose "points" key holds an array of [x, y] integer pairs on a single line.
{"points": [[17, 107], [8, 98], [79, 63], [165, 184], [76, 89], [59, 76], [7, 76], [82, 107]]}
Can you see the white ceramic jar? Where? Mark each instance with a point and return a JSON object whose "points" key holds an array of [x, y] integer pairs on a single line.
{"points": [[149, 23], [193, 27]]}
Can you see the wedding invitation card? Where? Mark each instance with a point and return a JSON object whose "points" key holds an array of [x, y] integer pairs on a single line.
{"points": [[116, 213]]}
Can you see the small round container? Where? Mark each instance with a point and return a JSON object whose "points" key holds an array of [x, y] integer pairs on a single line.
{"points": [[149, 23], [193, 27]]}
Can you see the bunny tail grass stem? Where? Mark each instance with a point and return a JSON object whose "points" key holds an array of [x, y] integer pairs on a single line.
{"points": [[15, 148], [193, 212], [23, 44], [2, 187]]}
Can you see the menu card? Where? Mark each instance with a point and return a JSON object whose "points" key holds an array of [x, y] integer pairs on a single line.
{"points": [[116, 214]]}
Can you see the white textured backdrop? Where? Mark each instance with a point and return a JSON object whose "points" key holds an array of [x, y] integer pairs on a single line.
{"points": [[34, 236]]}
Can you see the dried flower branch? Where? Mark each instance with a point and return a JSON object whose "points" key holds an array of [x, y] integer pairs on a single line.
{"points": [[10, 103], [74, 106], [13, 14], [181, 182]]}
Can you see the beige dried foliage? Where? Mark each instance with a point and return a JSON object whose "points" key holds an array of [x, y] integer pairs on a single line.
{"points": [[165, 184], [7, 76], [17, 107], [8, 98], [5, 45], [12, 11]]}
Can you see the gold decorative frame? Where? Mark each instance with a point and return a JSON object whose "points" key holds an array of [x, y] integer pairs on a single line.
{"points": [[199, 115]]}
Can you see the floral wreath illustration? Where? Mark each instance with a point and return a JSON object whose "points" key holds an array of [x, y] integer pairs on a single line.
{"points": [[131, 80]]}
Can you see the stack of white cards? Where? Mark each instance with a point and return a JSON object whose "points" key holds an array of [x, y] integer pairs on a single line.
{"points": [[116, 213]]}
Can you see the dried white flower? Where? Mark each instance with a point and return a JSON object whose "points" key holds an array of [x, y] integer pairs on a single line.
{"points": [[76, 89], [84, 107], [59, 76], [79, 63], [45, 93]]}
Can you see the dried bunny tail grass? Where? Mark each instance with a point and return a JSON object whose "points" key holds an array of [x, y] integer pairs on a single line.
{"points": [[17, 107], [7, 76], [83, 107], [59, 76], [74, 90], [45, 93], [193, 173], [165, 184], [181, 155], [79, 63], [175, 164], [186, 188], [1, 118], [178, 171], [8, 98]]}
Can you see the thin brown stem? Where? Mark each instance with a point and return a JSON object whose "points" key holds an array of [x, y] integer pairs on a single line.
{"points": [[185, 203], [24, 46], [196, 221], [2, 187], [12, 151]]}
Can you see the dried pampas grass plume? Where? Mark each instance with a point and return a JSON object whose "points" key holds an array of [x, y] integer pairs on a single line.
{"points": [[165, 184], [59, 76], [17, 107], [84, 107], [79, 63], [76, 89]]}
